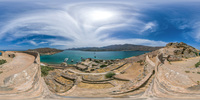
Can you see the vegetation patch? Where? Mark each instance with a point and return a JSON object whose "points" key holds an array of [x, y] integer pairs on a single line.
{"points": [[187, 71], [94, 65], [141, 62], [102, 66], [198, 72], [2, 62], [96, 61], [110, 75], [197, 64], [1, 72], [45, 70]]}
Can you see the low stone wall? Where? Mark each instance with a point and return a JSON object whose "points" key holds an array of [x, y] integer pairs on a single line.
{"points": [[35, 54]]}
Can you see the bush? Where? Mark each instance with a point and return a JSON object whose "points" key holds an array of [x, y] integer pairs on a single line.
{"points": [[1, 72], [187, 71], [198, 72], [45, 70], [110, 75], [94, 65], [197, 64], [102, 66], [96, 61], [2, 61]]}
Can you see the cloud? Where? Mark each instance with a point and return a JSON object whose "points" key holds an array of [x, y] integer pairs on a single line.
{"points": [[151, 26], [33, 42], [80, 24]]}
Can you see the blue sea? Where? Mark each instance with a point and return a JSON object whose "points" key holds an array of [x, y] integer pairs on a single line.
{"points": [[77, 55]]}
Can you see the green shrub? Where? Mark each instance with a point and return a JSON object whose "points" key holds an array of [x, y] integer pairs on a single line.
{"points": [[102, 66], [197, 64], [94, 65], [198, 72], [2, 61], [110, 75], [187, 71], [45, 70], [96, 61], [1, 72]]}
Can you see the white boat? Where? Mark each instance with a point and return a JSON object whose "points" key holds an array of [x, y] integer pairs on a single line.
{"points": [[66, 59]]}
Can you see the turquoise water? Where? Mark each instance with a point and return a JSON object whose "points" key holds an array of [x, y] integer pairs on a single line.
{"points": [[76, 56]]}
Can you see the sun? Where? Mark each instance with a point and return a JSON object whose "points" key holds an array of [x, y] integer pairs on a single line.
{"points": [[100, 15]]}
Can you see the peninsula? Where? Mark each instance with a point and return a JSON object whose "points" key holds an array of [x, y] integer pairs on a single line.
{"points": [[46, 51]]}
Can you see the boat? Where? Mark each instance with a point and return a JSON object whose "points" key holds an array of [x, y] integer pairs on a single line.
{"points": [[66, 59]]}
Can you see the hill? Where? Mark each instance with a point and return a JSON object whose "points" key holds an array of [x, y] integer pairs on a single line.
{"points": [[46, 51]]}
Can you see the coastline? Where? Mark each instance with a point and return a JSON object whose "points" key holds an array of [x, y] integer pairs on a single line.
{"points": [[76, 56]]}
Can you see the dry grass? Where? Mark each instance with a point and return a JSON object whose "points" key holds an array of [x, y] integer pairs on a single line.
{"points": [[94, 86], [132, 72], [63, 80]]}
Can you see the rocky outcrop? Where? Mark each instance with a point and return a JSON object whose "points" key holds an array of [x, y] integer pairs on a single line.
{"points": [[177, 51]]}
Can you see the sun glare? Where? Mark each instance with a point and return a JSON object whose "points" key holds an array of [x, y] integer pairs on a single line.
{"points": [[100, 15]]}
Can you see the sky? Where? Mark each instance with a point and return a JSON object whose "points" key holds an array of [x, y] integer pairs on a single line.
{"points": [[28, 24]]}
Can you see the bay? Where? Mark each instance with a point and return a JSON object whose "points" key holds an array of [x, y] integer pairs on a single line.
{"points": [[77, 55]]}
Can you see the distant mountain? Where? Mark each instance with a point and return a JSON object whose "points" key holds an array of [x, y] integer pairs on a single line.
{"points": [[124, 47], [46, 51]]}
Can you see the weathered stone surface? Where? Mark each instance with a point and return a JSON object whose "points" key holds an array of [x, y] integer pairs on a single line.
{"points": [[180, 50]]}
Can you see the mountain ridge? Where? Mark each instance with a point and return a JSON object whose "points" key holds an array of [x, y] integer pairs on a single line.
{"points": [[118, 47]]}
